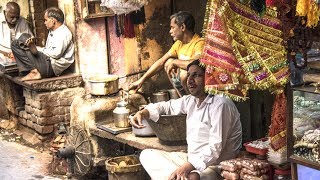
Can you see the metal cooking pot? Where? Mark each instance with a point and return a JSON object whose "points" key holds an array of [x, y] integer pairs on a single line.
{"points": [[170, 129], [160, 96], [173, 94], [104, 85]]}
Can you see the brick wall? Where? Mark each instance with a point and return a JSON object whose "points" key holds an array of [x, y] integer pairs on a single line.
{"points": [[44, 110]]}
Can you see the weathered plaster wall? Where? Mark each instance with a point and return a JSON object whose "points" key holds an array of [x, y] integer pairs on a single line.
{"points": [[117, 63], [68, 8], [123, 54], [156, 41], [92, 47], [130, 55], [91, 44]]}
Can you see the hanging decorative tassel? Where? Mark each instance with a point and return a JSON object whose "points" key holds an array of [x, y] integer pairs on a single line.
{"points": [[207, 15]]}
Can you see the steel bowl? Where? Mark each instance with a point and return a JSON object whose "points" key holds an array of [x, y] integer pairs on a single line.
{"points": [[146, 131]]}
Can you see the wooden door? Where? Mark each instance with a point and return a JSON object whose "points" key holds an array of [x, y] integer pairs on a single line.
{"points": [[39, 6]]}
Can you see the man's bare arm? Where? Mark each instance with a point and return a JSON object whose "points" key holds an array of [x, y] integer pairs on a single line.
{"points": [[156, 67], [178, 63], [184, 63]]}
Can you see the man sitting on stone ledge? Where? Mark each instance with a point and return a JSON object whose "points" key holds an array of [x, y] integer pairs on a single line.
{"points": [[54, 58], [12, 26]]}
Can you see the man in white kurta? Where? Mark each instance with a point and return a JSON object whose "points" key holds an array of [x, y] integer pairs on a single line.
{"points": [[214, 132], [12, 25], [54, 58]]}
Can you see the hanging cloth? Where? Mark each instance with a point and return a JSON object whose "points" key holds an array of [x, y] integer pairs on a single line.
{"points": [[117, 26], [128, 27], [138, 17], [124, 6], [243, 50], [277, 131]]}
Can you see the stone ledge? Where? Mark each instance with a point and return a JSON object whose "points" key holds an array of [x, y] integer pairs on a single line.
{"points": [[50, 84]]}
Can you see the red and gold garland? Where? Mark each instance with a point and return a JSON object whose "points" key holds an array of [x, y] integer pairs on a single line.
{"points": [[243, 50]]}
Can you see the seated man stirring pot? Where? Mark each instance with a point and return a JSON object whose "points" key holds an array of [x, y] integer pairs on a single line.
{"points": [[214, 132], [54, 58]]}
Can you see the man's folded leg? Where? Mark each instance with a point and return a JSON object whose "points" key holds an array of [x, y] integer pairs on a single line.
{"points": [[161, 164]]}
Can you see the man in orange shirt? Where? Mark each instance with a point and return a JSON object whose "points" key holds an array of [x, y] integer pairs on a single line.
{"points": [[188, 46]]}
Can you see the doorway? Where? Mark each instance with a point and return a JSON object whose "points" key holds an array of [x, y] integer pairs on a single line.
{"points": [[37, 8]]}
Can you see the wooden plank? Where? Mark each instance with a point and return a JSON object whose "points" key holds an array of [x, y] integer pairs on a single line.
{"points": [[137, 142], [299, 160]]}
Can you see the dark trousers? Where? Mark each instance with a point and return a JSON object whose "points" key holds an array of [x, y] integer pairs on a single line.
{"points": [[26, 61]]}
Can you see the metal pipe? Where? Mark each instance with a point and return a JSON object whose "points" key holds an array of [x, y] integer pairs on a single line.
{"points": [[66, 152]]}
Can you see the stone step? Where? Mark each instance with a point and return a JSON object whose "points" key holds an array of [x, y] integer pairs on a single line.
{"points": [[50, 84]]}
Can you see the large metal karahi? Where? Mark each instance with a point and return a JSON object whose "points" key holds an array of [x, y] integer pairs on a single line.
{"points": [[170, 129]]}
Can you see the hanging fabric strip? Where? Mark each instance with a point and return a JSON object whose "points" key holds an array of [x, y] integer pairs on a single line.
{"points": [[277, 131], [243, 50], [138, 17], [128, 27], [117, 27]]}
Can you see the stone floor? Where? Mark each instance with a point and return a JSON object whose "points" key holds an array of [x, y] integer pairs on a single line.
{"points": [[21, 162]]}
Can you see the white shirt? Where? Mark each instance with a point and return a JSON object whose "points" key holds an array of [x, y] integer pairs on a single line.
{"points": [[6, 34], [214, 130], [59, 47]]}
